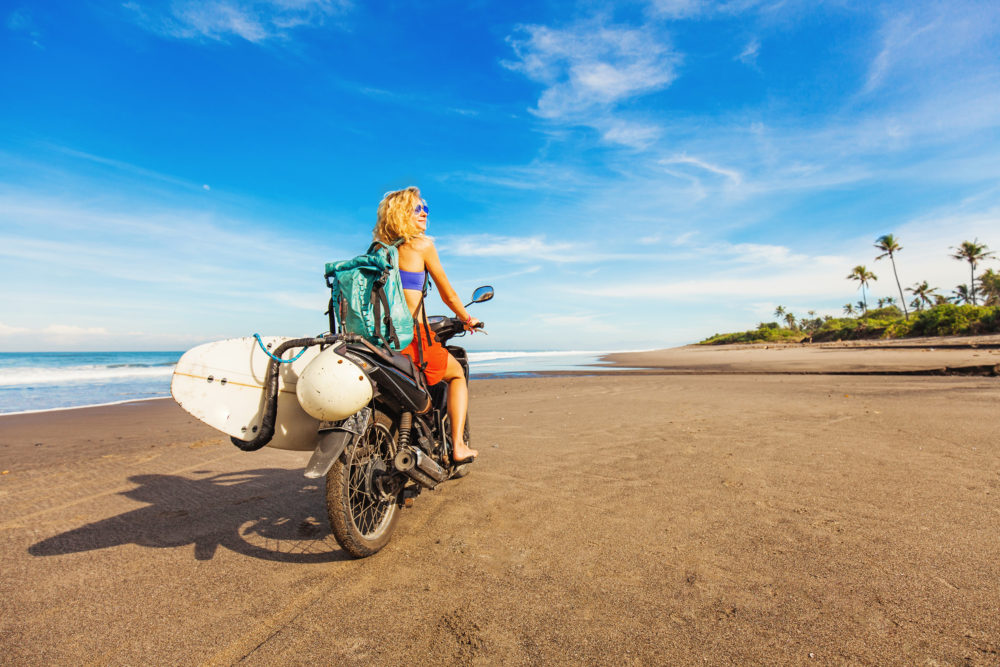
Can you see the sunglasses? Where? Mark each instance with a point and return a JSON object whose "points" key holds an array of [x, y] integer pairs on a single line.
{"points": [[422, 208]]}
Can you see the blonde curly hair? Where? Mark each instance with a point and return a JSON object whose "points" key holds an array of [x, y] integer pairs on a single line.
{"points": [[396, 218]]}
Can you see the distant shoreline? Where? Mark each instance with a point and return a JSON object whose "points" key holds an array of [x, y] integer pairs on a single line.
{"points": [[950, 342]]}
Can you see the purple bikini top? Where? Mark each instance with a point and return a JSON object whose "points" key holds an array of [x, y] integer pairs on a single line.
{"points": [[412, 279]]}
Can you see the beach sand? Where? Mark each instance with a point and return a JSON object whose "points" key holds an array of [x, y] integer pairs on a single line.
{"points": [[959, 355], [657, 518]]}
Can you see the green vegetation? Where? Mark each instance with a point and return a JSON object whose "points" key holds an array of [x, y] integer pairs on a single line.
{"points": [[931, 314], [946, 319], [766, 332]]}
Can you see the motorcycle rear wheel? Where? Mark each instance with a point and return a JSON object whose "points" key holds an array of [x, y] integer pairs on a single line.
{"points": [[361, 519]]}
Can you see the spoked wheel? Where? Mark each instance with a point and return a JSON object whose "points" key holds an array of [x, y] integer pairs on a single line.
{"points": [[360, 492]]}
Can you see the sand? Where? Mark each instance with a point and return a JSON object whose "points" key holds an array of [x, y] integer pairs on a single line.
{"points": [[957, 355], [657, 518]]}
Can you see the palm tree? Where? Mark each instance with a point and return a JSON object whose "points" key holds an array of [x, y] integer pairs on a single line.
{"points": [[972, 252], [881, 302], [989, 283], [790, 320], [961, 294], [848, 309], [860, 306], [923, 293], [779, 313], [889, 246], [890, 301], [863, 276]]}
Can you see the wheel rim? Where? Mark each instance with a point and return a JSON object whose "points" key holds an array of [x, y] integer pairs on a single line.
{"points": [[370, 459]]}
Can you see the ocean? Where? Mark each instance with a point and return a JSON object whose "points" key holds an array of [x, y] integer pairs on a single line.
{"points": [[39, 381]]}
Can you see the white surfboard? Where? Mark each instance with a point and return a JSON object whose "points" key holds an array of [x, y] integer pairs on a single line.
{"points": [[222, 384]]}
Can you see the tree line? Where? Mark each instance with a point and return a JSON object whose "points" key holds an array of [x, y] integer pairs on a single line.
{"points": [[933, 314], [923, 294]]}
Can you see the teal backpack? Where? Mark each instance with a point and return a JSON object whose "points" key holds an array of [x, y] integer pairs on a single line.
{"points": [[367, 297]]}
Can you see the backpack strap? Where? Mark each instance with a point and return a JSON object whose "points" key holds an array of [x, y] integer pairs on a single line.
{"points": [[380, 304], [334, 304], [422, 330], [423, 296]]}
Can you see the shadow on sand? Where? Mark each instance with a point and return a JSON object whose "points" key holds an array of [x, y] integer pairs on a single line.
{"points": [[272, 514]]}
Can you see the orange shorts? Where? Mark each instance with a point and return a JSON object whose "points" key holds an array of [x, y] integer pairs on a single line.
{"points": [[435, 356]]}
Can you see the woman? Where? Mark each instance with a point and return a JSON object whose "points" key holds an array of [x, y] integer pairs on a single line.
{"points": [[403, 215]]}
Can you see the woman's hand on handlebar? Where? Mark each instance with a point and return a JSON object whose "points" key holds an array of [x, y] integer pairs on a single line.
{"points": [[472, 324]]}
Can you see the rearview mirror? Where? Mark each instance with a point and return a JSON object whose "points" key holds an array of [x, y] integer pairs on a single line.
{"points": [[484, 293]]}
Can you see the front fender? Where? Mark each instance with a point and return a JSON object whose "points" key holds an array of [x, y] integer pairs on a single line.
{"points": [[334, 441]]}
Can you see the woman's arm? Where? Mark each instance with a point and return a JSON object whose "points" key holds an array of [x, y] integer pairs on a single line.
{"points": [[433, 265]]}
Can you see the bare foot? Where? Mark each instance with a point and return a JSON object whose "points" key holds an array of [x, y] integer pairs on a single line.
{"points": [[462, 453]]}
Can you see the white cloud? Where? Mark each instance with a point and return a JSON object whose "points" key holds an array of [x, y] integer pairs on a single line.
{"points": [[678, 8], [591, 66], [928, 41], [634, 135], [510, 247], [510, 274], [255, 21], [686, 9], [775, 286], [73, 330], [592, 322], [312, 302], [20, 21], [731, 175], [748, 55], [898, 33], [757, 253], [539, 175], [7, 330]]}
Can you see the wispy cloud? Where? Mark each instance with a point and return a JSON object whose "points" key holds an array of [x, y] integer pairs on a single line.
{"points": [[634, 135], [127, 168], [733, 176], [538, 175], [7, 330], [524, 248], [510, 274], [255, 21], [20, 21], [677, 8], [109, 265], [686, 9], [589, 68], [776, 286], [898, 33], [926, 42], [73, 330], [748, 56], [73, 337]]}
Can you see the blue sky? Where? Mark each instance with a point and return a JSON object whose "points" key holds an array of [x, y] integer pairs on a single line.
{"points": [[634, 175]]}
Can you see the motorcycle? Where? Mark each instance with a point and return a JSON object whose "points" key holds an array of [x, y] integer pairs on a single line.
{"points": [[396, 440]]}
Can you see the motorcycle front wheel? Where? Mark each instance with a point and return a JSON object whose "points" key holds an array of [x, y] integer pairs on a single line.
{"points": [[362, 514]]}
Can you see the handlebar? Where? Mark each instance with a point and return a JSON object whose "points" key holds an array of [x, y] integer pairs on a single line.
{"points": [[449, 327]]}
